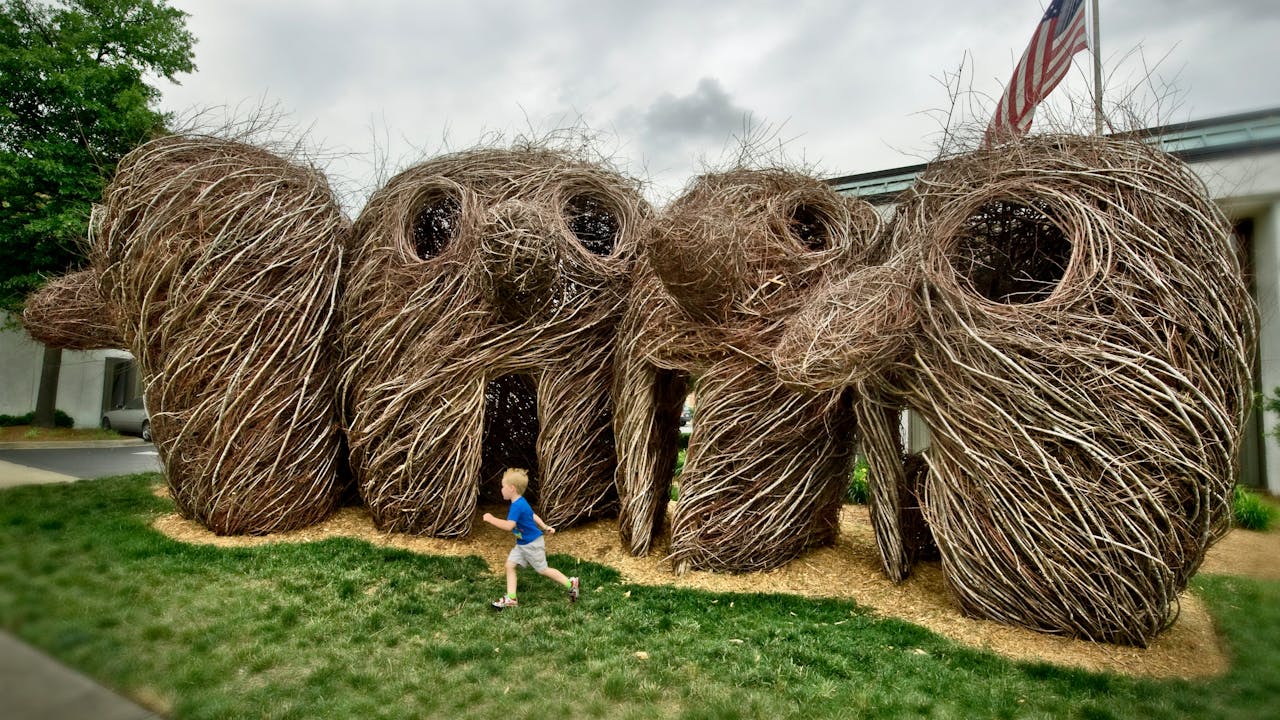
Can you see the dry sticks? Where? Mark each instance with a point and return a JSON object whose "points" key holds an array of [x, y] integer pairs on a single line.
{"points": [[218, 263], [727, 265], [503, 270], [1066, 314], [1080, 351], [222, 261]]}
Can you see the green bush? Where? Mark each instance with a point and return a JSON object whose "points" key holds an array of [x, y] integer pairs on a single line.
{"points": [[675, 484], [1251, 512], [60, 419], [857, 493]]}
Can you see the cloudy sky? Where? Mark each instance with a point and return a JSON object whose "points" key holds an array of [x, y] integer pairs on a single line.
{"points": [[669, 87]]}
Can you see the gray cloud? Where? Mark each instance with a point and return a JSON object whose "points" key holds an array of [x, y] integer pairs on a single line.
{"points": [[707, 113]]}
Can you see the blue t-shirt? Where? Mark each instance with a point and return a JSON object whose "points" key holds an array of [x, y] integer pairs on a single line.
{"points": [[526, 530]]}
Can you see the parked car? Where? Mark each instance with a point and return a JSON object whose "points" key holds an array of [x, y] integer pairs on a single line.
{"points": [[130, 417]]}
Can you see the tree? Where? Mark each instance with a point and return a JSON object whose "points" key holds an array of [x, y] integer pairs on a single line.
{"points": [[73, 75]]}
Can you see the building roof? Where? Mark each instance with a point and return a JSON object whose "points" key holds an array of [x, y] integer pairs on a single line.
{"points": [[1189, 141]]}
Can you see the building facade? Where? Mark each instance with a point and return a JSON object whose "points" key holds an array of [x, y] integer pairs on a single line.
{"points": [[89, 382]]}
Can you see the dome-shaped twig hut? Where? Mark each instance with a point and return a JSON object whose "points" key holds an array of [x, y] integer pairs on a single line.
{"points": [[1080, 352], [728, 263], [478, 328], [217, 264]]}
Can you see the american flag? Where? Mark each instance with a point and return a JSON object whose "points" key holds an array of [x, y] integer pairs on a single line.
{"points": [[1060, 34]]}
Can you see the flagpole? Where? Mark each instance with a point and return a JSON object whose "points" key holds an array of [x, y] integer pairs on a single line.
{"points": [[1097, 71]]}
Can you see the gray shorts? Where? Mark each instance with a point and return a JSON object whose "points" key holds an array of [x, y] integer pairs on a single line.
{"points": [[532, 555]]}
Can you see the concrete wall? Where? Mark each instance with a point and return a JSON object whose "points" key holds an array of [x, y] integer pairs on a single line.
{"points": [[1247, 187], [80, 383], [1266, 259]]}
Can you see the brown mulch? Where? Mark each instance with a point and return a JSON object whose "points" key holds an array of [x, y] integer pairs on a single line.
{"points": [[849, 570]]}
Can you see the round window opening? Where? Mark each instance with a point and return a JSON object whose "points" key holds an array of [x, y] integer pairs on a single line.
{"points": [[593, 222], [1011, 253], [435, 226], [809, 226]]}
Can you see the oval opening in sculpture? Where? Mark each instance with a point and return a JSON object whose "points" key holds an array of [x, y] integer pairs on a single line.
{"points": [[810, 227], [593, 222], [1011, 252], [435, 225]]}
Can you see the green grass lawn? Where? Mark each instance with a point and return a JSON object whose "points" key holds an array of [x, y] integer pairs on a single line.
{"points": [[28, 433], [343, 629]]}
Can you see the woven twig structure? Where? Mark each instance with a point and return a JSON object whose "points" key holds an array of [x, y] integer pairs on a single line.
{"points": [[70, 313], [498, 273], [221, 262], [728, 263], [1081, 353]]}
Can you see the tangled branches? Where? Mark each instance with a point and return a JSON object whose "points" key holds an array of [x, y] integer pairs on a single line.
{"points": [[1081, 354], [69, 313], [728, 264], [220, 261], [489, 272]]}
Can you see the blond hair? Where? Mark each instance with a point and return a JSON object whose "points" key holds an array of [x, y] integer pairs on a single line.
{"points": [[517, 478]]}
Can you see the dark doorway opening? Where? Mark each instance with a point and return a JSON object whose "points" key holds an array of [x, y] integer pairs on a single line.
{"points": [[510, 434]]}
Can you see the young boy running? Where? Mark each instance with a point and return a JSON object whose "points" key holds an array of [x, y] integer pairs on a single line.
{"points": [[531, 548]]}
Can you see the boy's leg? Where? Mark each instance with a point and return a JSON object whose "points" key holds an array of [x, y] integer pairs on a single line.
{"points": [[554, 574], [570, 584], [511, 579]]}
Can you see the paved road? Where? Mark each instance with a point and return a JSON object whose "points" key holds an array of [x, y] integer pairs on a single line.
{"points": [[87, 462]]}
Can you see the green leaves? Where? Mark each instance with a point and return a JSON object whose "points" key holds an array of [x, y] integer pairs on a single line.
{"points": [[75, 102]]}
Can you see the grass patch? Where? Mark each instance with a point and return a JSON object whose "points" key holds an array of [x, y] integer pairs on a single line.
{"points": [[28, 433], [344, 629], [1251, 512]]}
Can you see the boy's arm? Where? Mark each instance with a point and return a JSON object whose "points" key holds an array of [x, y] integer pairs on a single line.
{"points": [[499, 523], [543, 526]]}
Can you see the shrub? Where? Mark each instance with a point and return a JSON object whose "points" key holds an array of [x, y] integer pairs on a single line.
{"points": [[60, 419], [1252, 512], [857, 493]]}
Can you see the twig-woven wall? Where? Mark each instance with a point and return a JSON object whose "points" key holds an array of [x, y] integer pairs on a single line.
{"points": [[498, 269], [1081, 351], [219, 262], [729, 262]]}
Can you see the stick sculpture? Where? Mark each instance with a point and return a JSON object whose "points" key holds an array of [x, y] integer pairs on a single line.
{"points": [[727, 265], [217, 264], [1066, 314], [1080, 347], [497, 270]]}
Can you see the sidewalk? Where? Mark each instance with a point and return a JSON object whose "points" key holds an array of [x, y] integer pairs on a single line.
{"points": [[37, 687], [13, 474]]}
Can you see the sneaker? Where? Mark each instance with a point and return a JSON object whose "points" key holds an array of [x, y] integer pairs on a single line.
{"points": [[573, 589], [505, 602]]}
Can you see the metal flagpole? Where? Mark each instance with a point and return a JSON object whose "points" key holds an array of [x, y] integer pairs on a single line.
{"points": [[1097, 72]]}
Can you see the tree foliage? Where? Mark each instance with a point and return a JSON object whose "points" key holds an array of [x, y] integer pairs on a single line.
{"points": [[74, 77]]}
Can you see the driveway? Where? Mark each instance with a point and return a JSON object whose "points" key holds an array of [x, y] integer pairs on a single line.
{"points": [[19, 467]]}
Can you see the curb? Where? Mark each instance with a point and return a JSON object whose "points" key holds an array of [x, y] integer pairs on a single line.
{"points": [[70, 444]]}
